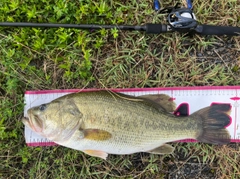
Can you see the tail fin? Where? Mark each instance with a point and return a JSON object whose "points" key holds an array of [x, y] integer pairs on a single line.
{"points": [[214, 120]]}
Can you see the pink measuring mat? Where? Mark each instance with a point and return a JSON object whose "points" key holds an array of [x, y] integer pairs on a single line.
{"points": [[188, 99]]}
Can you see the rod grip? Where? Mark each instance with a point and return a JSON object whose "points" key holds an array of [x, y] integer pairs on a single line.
{"points": [[156, 28], [217, 30]]}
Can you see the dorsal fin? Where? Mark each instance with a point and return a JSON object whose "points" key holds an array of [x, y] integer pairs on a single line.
{"points": [[162, 100]]}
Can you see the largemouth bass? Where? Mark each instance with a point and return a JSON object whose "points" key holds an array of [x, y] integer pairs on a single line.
{"points": [[103, 122]]}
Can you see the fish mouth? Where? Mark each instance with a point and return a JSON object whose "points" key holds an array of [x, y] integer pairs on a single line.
{"points": [[33, 122], [26, 121]]}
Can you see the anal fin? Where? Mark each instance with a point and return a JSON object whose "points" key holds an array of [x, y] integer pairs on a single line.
{"points": [[163, 149]]}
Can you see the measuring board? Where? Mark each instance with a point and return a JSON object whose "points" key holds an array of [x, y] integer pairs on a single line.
{"points": [[187, 99]]}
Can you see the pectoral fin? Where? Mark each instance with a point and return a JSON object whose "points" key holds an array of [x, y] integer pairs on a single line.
{"points": [[163, 149], [163, 100], [96, 153], [96, 134]]}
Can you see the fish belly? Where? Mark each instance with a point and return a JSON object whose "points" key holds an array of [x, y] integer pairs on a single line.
{"points": [[135, 126]]}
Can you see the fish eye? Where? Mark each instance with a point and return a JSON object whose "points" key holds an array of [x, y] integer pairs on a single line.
{"points": [[42, 107]]}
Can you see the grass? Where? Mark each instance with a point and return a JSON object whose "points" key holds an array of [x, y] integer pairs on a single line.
{"points": [[35, 59]]}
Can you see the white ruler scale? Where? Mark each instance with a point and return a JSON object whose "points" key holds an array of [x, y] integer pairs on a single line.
{"points": [[188, 100]]}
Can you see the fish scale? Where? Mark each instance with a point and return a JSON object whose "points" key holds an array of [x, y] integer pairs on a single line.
{"points": [[122, 124], [102, 122]]}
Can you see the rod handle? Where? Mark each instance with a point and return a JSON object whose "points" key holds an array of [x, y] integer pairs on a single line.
{"points": [[217, 30], [156, 28]]}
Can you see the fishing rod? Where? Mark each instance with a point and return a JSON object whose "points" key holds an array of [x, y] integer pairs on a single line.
{"points": [[178, 19]]}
